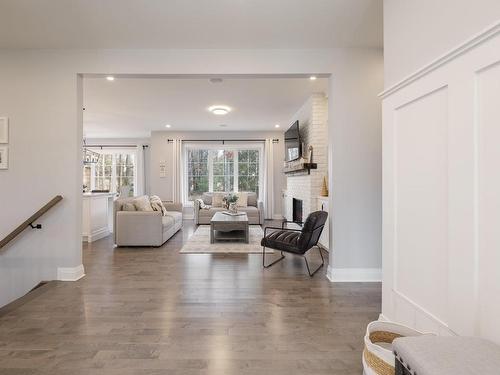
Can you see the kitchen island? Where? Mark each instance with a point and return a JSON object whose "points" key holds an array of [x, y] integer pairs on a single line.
{"points": [[97, 220]]}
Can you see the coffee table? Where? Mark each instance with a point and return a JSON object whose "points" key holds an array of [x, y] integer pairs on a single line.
{"points": [[228, 227]]}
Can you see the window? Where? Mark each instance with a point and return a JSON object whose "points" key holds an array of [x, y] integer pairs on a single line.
{"points": [[248, 170], [113, 171], [197, 171], [228, 169], [223, 170], [103, 173], [125, 168]]}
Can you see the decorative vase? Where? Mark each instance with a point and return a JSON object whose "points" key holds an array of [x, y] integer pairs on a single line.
{"points": [[233, 208], [324, 188]]}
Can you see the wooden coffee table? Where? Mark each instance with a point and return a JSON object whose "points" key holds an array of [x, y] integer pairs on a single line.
{"points": [[229, 228]]}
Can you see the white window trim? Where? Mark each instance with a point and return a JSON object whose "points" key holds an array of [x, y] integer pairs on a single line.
{"points": [[259, 146], [113, 151]]}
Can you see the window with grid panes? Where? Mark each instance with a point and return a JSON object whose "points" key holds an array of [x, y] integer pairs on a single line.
{"points": [[224, 170]]}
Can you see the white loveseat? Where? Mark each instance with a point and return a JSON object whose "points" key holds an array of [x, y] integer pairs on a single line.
{"points": [[145, 228], [254, 209]]}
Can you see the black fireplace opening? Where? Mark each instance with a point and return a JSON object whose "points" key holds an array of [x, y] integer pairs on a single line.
{"points": [[297, 211]]}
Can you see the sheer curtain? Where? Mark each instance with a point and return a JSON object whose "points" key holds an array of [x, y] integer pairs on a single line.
{"points": [[140, 170], [268, 196], [178, 171]]}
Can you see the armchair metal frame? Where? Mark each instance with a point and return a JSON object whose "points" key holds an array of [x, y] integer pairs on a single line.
{"points": [[311, 274], [284, 222]]}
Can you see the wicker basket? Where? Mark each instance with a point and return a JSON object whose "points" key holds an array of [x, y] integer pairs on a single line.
{"points": [[378, 358]]}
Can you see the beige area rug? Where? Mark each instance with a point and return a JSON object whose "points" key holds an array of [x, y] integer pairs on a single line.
{"points": [[199, 243]]}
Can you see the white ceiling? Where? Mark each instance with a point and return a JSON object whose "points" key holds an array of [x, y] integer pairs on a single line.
{"points": [[133, 107], [231, 24]]}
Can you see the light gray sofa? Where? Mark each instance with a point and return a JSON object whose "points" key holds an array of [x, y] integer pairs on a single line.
{"points": [[255, 209], [144, 228]]}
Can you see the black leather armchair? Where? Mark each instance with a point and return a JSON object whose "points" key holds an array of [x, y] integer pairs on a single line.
{"points": [[295, 241]]}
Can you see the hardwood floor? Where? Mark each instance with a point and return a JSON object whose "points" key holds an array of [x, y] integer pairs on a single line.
{"points": [[155, 311]]}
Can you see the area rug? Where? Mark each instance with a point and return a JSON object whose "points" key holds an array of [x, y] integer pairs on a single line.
{"points": [[199, 243]]}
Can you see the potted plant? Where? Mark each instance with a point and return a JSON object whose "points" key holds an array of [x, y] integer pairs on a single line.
{"points": [[230, 201]]}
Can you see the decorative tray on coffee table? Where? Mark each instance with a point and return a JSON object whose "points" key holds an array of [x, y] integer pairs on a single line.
{"points": [[233, 213]]}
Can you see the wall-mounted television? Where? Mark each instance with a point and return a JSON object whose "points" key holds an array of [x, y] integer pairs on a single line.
{"points": [[293, 144]]}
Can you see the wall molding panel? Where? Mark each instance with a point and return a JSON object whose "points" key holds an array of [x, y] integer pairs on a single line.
{"points": [[478, 39], [441, 193]]}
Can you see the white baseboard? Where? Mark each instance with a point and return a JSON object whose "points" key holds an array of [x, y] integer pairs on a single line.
{"points": [[70, 273], [97, 235], [351, 275], [383, 318]]}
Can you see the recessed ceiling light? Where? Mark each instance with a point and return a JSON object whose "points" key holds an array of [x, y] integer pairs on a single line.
{"points": [[168, 126], [219, 110], [277, 125], [313, 78], [110, 78]]}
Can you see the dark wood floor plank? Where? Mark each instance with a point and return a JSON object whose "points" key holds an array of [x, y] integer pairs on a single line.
{"points": [[148, 311]]}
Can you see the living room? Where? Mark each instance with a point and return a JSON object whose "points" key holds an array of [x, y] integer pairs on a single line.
{"points": [[139, 139]]}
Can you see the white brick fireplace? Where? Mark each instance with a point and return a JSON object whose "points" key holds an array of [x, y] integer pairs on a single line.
{"points": [[313, 123]]}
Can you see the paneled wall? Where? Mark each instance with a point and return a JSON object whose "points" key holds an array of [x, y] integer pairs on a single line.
{"points": [[441, 200]]}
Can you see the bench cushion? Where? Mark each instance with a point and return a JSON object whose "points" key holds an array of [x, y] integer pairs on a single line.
{"points": [[429, 355]]}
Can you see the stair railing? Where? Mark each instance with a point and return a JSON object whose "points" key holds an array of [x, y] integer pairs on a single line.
{"points": [[30, 221]]}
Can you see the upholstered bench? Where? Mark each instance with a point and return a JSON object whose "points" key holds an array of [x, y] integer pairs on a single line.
{"points": [[437, 355]]}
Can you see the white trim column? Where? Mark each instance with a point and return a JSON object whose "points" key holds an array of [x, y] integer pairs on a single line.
{"points": [[269, 179]]}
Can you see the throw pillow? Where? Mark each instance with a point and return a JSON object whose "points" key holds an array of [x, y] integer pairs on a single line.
{"points": [[128, 207], [217, 199], [157, 204], [207, 198], [142, 203], [242, 200], [252, 199], [202, 204]]}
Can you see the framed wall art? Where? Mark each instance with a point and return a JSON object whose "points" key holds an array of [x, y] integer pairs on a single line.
{"points": [[4, 157], [4, 130]]}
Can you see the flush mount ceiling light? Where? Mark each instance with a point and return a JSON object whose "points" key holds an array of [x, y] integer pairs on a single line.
{"points": [[313, 78], [168, 126], [110, 78], [219, 110], [277, 125]]}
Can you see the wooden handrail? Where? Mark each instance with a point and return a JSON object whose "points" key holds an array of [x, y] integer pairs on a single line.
{"points": [[29, 222]]}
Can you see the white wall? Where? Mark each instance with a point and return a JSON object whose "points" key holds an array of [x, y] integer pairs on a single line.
{"points": [[355, 164], [441, 192], [417, 32], [40, 99], [40, 94], [162, 151]]}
